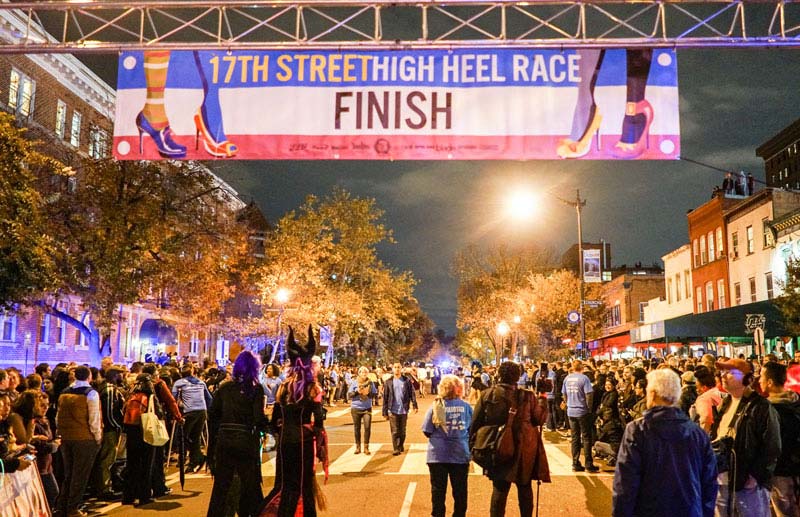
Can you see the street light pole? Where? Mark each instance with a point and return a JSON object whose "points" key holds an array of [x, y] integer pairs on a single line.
{"points": [[578, 205]]}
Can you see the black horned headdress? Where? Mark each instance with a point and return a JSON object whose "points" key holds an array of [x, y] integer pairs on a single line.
{"points": [[300, 358], [298, 352]]}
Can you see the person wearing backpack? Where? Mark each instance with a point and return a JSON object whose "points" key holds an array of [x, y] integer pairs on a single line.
{"points": [[785, 483], [529, 459], [141, 455]]}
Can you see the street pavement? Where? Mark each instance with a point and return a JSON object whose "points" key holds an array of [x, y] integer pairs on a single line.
{"points": [[382, 485]]}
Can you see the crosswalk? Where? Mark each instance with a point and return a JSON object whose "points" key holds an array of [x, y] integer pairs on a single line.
{"points": [[412, 462]]}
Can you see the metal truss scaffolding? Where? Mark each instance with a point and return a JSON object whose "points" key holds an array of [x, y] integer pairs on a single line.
{"points": [[86, 26]]}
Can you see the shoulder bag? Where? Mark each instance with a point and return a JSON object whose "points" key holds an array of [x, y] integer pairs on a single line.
{"points": [[493, 445], [153, 428]]}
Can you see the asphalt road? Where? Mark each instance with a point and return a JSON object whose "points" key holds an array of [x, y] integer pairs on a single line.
{"points": [[382, 485]]}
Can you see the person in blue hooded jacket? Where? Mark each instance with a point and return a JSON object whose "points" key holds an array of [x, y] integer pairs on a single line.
{"points": [[447, 425], [666, 466]]}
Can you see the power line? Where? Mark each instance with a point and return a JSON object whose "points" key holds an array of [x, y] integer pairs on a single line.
{"points": [[708, 166]]}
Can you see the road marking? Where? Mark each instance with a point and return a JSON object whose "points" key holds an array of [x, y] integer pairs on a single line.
{"points": [[414, 463], [405, 510], [560, 464], [351, 462], [338, 413], [109, 507]]}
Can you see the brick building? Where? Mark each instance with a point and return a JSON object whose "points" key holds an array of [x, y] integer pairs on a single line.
{"points": [[69, 110], [781, 158]]}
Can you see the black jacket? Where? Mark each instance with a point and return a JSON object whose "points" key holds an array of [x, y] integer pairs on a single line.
{"points": [[788, 407], [758, 439], [389, 396], [665, 468]]}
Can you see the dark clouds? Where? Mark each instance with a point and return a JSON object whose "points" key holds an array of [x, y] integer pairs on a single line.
{"points": [[731, 102]]}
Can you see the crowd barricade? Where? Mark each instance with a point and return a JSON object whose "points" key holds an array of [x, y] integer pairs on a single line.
{"points": [[22, 494]]}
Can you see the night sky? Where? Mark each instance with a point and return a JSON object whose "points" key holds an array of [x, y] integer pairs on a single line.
{"points": [[731, 101]]}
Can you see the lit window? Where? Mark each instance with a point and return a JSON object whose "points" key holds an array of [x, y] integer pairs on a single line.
{"points": [[8, 326], [669, 291], [696, 255], [751, 244], [709, 296], [767, 231], [711, 253], [61, 119], [699, 299], [642, 306], [720, 251], [687, 280], [703, 252], [735, 244], [75, 129], [21, 91], [98, 143], [44, 329], [770, 287], [678, 287]]}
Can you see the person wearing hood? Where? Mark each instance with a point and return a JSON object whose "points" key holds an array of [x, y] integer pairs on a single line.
{"points": [[666, 465], [785, 486]]}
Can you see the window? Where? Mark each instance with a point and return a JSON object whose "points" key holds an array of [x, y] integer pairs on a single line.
{"points": [[696, 254], [711, 253], [615, 316], [721, 293], [8, 326], [20, 93], [642, 307], [703, 252], [678, 287], [44, 329], [720, 251], [194, 343], [752, 289], [767, 231], [98, 143], [751, 245], [737, 293], [709, 296], [770, 287], [735, 244], [75, 129], [687, 281], [699, 298], [61, 118], [669, 291]]}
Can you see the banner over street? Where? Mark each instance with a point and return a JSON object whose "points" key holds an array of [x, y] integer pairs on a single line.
{"points": [[466, 104]]}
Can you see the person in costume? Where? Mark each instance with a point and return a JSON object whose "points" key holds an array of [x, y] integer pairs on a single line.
{"points": [[236, 421], [298, 416]]}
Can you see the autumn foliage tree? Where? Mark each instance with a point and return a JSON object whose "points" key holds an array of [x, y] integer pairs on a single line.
{"points": [[325, 254]]}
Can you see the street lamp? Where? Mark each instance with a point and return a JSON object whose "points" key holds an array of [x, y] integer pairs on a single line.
{"points": [[522, 205]]}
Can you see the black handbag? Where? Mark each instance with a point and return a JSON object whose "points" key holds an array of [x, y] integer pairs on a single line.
{"points": [[723, 451]]}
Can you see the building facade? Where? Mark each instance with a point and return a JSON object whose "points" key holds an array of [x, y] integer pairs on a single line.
{"points": [[781, 158]]}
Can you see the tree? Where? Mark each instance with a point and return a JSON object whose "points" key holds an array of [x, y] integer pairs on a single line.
{"points": [[140, 232], [789, 301], [325, 254], [489, 292], [27, 252]]}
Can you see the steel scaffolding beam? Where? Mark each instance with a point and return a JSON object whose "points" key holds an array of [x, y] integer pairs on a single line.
{"points": [[86, 26]]}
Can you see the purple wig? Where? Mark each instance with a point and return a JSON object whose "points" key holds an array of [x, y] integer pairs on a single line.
{"points": [[246, 370]]}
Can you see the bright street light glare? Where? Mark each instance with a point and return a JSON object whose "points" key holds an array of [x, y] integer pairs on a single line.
{"points": [[522, 205], [282, 296], [503, 328]]}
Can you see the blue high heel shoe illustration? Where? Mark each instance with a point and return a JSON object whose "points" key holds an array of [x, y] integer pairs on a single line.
{"points": [[208, 119], [167, 147]]}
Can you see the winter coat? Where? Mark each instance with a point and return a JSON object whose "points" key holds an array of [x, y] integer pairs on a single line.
{"points": [[787, 405], [665, 468], [758, 439], [609, 422], [530, 459]]}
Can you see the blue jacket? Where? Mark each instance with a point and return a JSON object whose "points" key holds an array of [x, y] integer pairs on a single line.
{"points": [[665, 467], [449, 443], [409, 397]]}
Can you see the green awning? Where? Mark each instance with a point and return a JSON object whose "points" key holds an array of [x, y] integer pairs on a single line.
{"points": [[739, 321]]}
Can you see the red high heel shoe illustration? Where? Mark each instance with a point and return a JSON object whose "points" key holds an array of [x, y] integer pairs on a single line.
{"points": [[223, 149], [634, 149], [167, 147], [569, 148]]}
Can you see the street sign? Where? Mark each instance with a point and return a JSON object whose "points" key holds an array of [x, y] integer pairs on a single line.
{"points": [[593, 303], [573, 317]]}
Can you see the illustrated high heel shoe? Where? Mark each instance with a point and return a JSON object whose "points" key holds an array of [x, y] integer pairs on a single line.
{"points": [[223, 149], [167, 147], [569, 148], [629, 151]]}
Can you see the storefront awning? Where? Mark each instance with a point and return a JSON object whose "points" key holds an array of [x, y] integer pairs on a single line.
{"points": [[739, 321]]}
